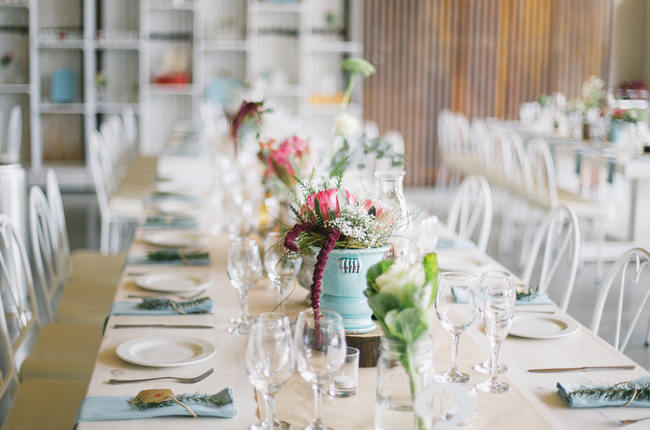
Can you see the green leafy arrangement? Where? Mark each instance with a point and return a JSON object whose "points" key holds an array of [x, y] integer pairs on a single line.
{"points": [[180, 307], [401, 296], [222, 398], [175, 255], [357, 155], [604, 395]]}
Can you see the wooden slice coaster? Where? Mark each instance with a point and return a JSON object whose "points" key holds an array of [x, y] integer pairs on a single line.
{"points": [[368, 345]]}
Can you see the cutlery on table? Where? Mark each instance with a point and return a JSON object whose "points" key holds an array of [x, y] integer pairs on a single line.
{"points": [[577, 369], [622, 423], [162, 326], [182, 380]]}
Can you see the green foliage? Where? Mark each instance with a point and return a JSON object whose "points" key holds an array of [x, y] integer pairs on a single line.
{"points": [[357, 154], [358, 66], [222, 398], [617, 393], [381, 304], [175, 255], [161, 304]]}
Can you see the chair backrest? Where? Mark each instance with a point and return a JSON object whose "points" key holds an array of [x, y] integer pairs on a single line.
{"points": [[481, 142], [130, 128], [641, 259], [100, 170], [542, 168], [559, 231], [48, 266], [14, 134], [371, 129], [471, 210], [55, 202], [18, 299]]}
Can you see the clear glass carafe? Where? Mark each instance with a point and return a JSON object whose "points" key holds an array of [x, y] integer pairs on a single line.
{"points": [[398, 384], [390, 191]]}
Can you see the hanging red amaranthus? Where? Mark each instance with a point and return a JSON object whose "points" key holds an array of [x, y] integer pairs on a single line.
{"points": [[252, 110]]}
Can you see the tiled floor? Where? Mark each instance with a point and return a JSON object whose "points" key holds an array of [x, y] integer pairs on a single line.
{"points": [[82, 217]]}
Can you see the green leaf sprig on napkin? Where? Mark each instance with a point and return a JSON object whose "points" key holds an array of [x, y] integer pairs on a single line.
{"points": [[180, 307], [634, 393], [175, 254]]}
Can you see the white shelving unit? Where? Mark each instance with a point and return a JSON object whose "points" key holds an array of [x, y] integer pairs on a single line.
{"points": [[294, 47]]}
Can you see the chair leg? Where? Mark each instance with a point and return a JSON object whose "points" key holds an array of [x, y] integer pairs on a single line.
{"points": [[104, 240]]}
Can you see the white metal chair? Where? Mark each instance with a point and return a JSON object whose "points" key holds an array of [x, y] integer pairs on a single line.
{"points": [[61, 350], [59, 397], [60, 237], [559, 231], [471, 210], [640, 258], [116, 216], [14, 136], [130, 131]]}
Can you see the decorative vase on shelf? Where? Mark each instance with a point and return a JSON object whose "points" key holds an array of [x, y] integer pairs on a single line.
{"points": [[402, 371], [344, 283]]}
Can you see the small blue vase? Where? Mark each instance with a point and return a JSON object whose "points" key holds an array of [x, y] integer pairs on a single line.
{"points": [[344, 283], [63, 87]]}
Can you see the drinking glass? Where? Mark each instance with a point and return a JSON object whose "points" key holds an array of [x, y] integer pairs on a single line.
{"points": [[270, 361], [492, 276], [497, 303], [244, 270], [279, 265], [456, 309], [319, 342], [427, 234]]}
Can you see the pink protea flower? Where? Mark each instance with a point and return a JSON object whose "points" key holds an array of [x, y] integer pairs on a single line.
{"points": [[298, 145], [328, 200], [380, 209]]}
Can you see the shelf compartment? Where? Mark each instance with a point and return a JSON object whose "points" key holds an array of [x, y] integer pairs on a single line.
{"points": [[224, 45], [61, 108], [14, 88], [277, 7], [115, 107], [326, 46], [63, 139], [171, 89]]}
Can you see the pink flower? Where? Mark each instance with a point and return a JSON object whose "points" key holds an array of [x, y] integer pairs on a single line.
{"points": [[278, 162], [298, 145], [328, 200], [380, 209]]}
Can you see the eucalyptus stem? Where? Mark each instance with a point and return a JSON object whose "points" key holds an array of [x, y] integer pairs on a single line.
{"points": [[348, 90], [414, 383]]}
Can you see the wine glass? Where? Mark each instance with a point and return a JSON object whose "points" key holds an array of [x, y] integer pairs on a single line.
{"points": [[427, 237], [319, 342], [492, 276], [279, 265], [497, 303], [244, 270], [456, 309], [270, 361]]}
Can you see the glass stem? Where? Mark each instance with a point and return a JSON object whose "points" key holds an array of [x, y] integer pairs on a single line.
{"points": [[270, 411], [317, 421], [281, 290], [454, 351], [495, 345], [243, 295]]}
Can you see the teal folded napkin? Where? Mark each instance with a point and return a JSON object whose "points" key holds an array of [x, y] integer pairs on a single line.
{"points": [[160, 196], [444, 243], [540, 299], [132, 308], [162, 222], [111, 408], [603, 396]]}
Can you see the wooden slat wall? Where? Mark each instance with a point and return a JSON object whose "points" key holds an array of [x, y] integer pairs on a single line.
{"points": [[480, 57]]}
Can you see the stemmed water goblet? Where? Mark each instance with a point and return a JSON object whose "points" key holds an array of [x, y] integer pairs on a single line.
{"points": [[492, 276], [270, 361], [319, 341], [279, 265], [456, 309], [497, 301], [244, 270]]}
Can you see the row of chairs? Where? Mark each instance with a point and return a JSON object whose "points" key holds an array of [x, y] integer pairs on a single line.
{"points": [[51, 315], [10, 148], [524, 172], [111, 151], [557, 239]]}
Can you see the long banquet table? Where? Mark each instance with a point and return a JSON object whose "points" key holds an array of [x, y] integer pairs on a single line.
{"points": [[532, 402]]}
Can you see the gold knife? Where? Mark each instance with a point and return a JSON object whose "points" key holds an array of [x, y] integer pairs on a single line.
{"points": [[577, 369]]}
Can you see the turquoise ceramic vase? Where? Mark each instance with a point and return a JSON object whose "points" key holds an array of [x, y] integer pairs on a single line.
{"points": [[344, 281]]}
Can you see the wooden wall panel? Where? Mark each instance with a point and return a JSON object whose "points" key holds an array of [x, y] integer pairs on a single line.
{"points": [[480, 57]]}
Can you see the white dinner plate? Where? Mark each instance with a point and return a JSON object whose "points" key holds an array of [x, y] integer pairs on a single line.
{"points": [[542, 326], [172, 238], [171, 282], [167, 351], [463, 262]]}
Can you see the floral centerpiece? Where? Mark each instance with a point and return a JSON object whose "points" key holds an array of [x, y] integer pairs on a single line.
{"points": [[401, 296], [332, 220], [250, 112], [284, 161]]}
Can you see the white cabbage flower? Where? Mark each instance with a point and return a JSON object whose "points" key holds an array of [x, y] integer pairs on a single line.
{"points": [[346, 124], [392, 281]]}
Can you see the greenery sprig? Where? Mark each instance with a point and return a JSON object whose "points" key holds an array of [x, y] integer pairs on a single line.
{"points": [[222, 398], [162, 304], [618, 393], [175, 255]]}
